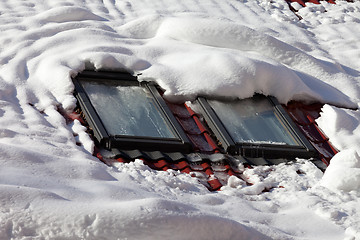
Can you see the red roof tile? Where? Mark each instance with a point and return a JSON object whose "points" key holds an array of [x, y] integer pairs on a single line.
{"points": [[194, 128], [180, 165], [305, 116], [215, 184], [303, 2]]}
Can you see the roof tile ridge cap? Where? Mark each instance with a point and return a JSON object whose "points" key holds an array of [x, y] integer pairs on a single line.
{"points": [[322, 134], [192, 113], [305, 110], [200, 125]]}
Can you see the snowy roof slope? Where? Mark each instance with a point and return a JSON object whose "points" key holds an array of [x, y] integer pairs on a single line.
{"points": [[53, 188]]}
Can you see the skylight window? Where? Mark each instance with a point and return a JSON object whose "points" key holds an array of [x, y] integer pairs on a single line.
{"points": [[255, 127], [128, 110], [126, 114]]}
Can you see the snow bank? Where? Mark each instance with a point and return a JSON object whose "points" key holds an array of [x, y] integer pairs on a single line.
{"points": [[343, 172], [187, 55], [343, 128], [229, 59], [125, 220]]}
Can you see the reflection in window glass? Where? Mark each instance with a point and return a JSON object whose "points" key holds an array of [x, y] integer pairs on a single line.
{"points": [[128, 110], [252, 120]]}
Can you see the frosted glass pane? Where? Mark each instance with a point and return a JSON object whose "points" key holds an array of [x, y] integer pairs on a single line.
{"points": [[128, 110], [252, 120]]}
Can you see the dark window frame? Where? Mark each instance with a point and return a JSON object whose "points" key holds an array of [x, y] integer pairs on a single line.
{"points": [[181, 143], [255, 150]]}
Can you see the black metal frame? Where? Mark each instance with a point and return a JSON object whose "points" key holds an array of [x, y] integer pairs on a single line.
{"points": [[255, 150], [181, 143]]}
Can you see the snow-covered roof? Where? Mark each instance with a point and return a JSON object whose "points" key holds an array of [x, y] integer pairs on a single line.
{"points": [[53, 188]]}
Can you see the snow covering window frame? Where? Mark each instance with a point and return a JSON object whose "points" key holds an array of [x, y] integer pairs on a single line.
{"points": [[304, 149], [180, 143]]}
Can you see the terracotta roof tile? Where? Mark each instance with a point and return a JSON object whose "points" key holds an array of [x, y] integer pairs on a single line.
{"points": [[189, 126], [299, 115], [303, 2], [200, 143], [186, 170], [325, 161], [215, 184], [206, 165], [178, 110], [180, 165], [313, 133], [199, 124], [324, 149], [305, 116], [122, 160], [208, 171], [194, 128]]}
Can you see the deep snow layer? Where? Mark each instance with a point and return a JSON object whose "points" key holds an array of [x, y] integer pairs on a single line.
{"points": [[52, 188]]}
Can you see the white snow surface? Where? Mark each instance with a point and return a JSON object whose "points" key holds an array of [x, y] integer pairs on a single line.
{"points": [[51, 188]]}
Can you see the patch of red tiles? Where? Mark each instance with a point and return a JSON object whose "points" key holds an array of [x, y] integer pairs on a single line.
{"points": [[181, 166], [194, 128], [304, 116], [303, 2]]}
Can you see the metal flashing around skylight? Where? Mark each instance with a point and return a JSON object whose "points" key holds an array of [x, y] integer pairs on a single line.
{"points": [[255, 127], [126, 114]]}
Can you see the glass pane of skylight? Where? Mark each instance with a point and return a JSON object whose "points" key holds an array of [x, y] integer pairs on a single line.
{"points": [[252, 120], [128, 110]]}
